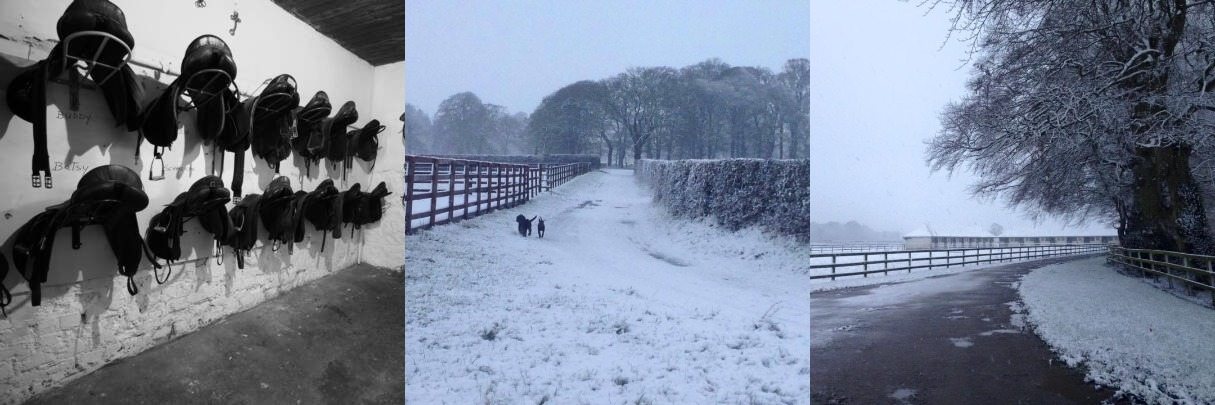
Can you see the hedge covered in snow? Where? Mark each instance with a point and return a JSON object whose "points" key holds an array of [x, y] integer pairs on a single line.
{"points": [[737, 193], [529, 159]]}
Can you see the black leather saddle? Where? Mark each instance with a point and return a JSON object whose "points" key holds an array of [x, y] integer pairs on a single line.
{"points": [[323, 208], [208, 74], [308, 127], [361, 208], [275, 211], [245, 217], [205, 200], [109, 196], [332, 142], [93, 37], [271, 125], [365, 143]]}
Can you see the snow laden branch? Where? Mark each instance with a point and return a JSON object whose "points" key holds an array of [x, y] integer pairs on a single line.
{"points": [[1089, 111]]}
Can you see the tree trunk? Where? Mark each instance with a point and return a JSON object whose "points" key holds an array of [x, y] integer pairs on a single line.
{"points": [[1166, 209]]}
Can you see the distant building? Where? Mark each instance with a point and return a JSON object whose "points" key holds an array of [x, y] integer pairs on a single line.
{"points": [[926, 238]]}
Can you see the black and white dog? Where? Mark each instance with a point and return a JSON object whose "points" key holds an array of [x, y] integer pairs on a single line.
{"points": [[525, 225], [540, 228]]}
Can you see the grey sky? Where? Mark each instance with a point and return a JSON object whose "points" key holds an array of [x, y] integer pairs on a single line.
{"points": [[880, 78], [513, 53]]}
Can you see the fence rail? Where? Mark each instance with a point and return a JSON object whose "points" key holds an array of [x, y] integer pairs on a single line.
{"points": [[844, 247], [1193, 271], [866, 263], [440, 190]]}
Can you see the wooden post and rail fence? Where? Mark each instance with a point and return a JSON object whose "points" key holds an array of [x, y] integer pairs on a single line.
{"points": [[1194, 272], [441, 190], [833, 265]]}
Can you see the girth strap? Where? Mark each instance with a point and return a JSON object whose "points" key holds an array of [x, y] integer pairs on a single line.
{"points": [[41, 163]]}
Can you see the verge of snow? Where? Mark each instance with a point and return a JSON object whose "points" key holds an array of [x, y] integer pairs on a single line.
{"points": [[1126, 333]]}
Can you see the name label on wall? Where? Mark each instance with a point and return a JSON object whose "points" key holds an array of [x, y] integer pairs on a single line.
{"points": [[75, 115]]}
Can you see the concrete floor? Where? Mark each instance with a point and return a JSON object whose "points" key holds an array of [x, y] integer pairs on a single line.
{"points": [[338, 339], [907, 347]]}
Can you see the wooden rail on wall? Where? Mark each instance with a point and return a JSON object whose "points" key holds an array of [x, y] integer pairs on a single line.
{"points": [[866, 263], [1193, 271], [442, 190]]}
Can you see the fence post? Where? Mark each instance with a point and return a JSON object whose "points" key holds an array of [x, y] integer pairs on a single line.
{"points": [[451, 191], [885, 263], [410, 167], [1185, 262], [865, 266], [465, 202], [832, 267], [434, 191]]}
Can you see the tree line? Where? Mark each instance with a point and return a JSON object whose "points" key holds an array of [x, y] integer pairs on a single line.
{"points": [[707, 110]]}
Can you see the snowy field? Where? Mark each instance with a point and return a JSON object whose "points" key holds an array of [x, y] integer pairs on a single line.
{"points": [[617, 304], [1125, 331]]}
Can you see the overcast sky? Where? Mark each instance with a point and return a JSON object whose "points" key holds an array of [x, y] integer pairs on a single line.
{"points": [[513, 53], [881, 73]]}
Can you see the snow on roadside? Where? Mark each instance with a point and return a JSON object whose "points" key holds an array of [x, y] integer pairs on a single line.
{"points": [[617, 303], [1127, 333]]}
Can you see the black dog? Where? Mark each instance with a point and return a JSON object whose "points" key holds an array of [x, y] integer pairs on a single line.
{"points": [[525, 225], [540, 228]]}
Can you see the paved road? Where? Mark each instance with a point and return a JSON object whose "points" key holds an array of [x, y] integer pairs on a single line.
{"points": [[952, 339], [334, 340]]}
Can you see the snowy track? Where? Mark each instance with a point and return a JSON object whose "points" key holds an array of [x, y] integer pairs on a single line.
{"points": [[957, 338], [618, 303]]}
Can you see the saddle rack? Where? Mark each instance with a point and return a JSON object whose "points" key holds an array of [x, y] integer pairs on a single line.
{"points": [[81, 66]]}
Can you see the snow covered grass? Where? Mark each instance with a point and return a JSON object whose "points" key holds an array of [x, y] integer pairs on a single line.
{"points": [[1126, 333], [617, 303]]}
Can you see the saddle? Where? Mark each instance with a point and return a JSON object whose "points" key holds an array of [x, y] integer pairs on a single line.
{"points": [[109, 196], [245, 217], [350, 203], [361, 208], [270, 123], [275, 211], [308, 126], [90, 31], [364, 143], [205, 201], [208, 75], [297, 217], [332, 143], [323, 208], [372, 205]]}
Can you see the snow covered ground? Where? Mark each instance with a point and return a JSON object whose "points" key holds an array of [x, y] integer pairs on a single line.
{"points": [[618, 303], [1126, 332]]}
